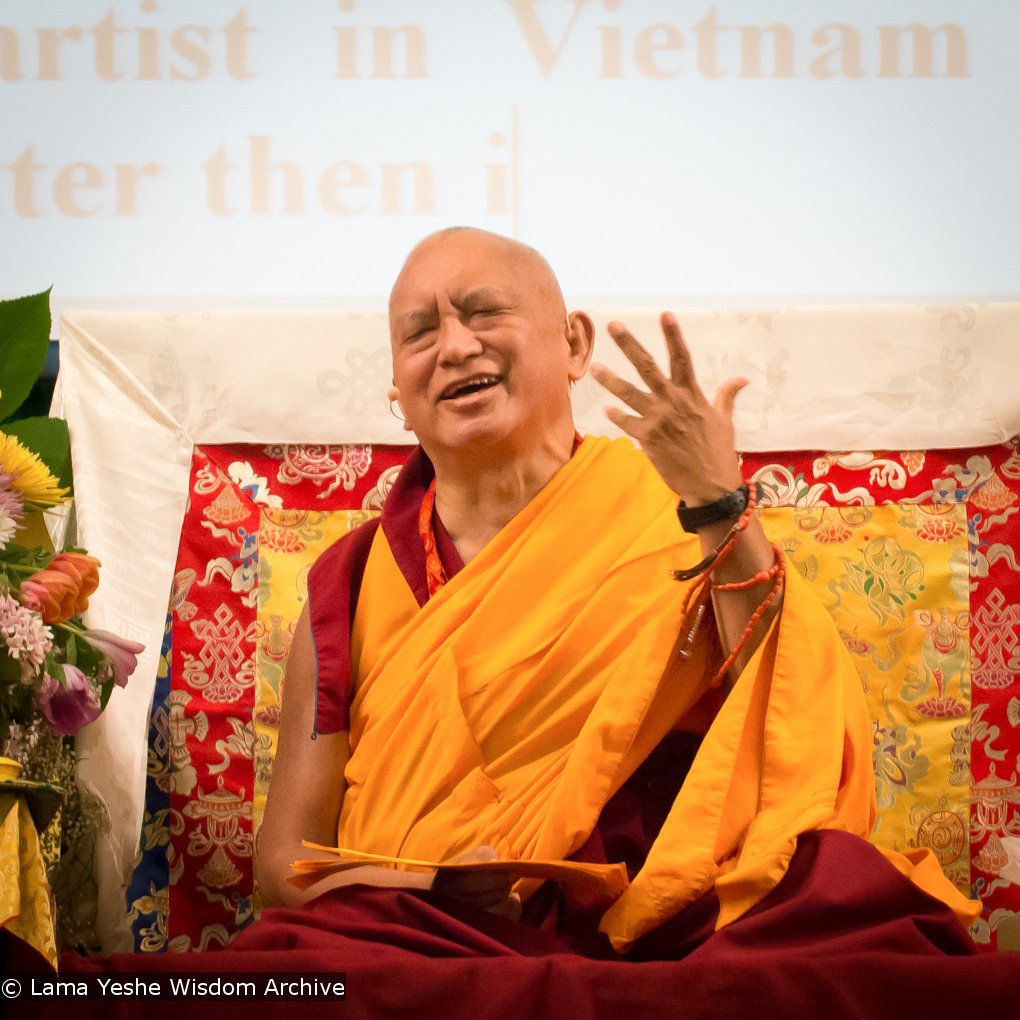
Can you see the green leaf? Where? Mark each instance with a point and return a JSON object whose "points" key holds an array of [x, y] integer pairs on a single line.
{"points": [[26, 556], [24, 339], [88, 659], [49, 439]]}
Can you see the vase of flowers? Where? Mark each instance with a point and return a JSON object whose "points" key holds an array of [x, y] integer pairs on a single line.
{"points": [[51, 665], [56, 672]]}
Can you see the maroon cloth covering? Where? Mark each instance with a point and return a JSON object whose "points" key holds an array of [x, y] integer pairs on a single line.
{"points": [[334, 582], [842, 935]]}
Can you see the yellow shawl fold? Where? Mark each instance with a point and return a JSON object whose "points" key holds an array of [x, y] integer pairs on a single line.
{"points": [[26, 903], [511, 707]]}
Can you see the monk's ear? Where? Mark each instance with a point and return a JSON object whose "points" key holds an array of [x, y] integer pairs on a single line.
{"points": [[580, 334]]}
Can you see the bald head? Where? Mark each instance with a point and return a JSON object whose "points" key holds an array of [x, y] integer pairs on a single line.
{"points": [[528, 268]]}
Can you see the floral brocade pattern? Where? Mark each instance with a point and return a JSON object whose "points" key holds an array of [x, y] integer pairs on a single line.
{"points": [[893, 597], [914, 553], [289, 542], [252, 527]]}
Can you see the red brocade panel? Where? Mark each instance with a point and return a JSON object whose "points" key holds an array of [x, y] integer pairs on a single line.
{"points": [[211, 700]]}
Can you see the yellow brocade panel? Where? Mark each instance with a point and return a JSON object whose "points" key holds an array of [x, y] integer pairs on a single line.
{"points": [[896, 580], [289, 543]]}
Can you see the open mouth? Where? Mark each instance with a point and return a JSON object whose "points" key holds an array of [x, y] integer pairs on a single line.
{"points": [[467, 387]]}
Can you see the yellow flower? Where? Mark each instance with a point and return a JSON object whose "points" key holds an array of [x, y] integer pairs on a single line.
{"points": [[31, 477]]}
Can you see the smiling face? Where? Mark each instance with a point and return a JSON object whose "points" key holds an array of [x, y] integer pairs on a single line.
{"points": [[482, 350]]}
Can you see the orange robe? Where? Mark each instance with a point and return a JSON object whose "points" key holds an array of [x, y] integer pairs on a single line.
{"points": [[510, 707]]}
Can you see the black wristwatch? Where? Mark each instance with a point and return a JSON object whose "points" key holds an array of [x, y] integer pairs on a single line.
{"points": [[733, 504]]}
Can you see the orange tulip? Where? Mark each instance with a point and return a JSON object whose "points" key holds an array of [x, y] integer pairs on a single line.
{"points": [[62, 589], [80, 567]]}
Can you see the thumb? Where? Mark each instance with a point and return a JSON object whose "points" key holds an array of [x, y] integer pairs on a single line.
{"points": [[727, 394]]}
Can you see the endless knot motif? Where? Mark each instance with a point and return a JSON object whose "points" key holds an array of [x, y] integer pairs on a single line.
{"points": [[995, 643], [227, 651], [363, 386]]}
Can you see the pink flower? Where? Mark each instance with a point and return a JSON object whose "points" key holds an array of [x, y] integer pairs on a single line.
{"points": [[123, 654], [12, 505], [24, 634], [68, 706]]}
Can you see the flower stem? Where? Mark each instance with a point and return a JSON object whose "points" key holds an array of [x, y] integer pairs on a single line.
{"points": [[20, 568], [32, 504]]}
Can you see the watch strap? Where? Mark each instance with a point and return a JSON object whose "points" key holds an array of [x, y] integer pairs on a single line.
{"points": [[732, 504]]}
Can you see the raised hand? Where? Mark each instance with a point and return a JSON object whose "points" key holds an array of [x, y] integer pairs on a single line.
{"points": [[689, 440]]}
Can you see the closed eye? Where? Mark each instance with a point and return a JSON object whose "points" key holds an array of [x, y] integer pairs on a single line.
{"points": [[487, 313], [418, 336]]}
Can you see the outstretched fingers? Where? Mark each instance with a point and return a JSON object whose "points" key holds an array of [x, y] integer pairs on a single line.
{"points": [[681, 370], [688, 439], [638, 357]]}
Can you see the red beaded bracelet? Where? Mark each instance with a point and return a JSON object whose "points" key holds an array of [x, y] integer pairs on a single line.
{"points": [[777, 573], [760, 578], [696, 599]]}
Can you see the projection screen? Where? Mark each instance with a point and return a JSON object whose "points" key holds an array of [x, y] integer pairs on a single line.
{"points": [[162, 153]]}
